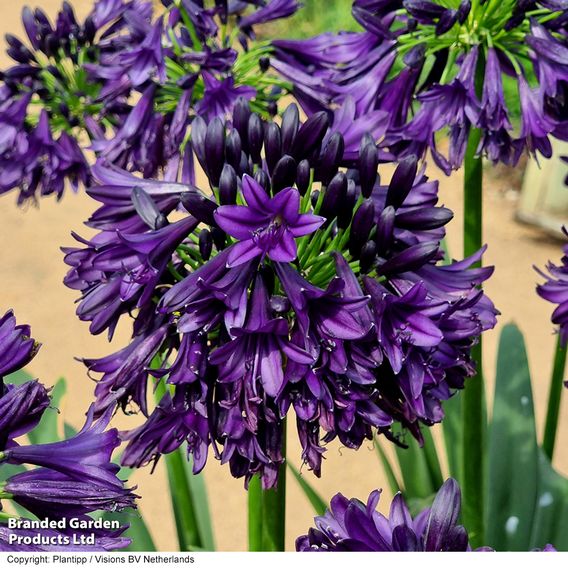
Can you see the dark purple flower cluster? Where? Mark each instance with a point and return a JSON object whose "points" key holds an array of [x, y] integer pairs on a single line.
{"points": [[73, 477], [125, 84], [431, 67], [298, 279], [555, 290], [352, 526]]}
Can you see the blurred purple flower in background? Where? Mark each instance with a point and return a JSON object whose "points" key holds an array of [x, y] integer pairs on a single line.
{"points": [[432, 69]]}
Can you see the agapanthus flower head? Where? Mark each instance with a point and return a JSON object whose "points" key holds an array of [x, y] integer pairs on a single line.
{"points": [[436, 67], [350, 525], [298, 280], [555, 290], [124, 85]]}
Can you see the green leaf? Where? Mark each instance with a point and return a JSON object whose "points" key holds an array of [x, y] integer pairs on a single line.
{"points": [[313, 496], [47, 430], [551, 509], [393, 482], [453, 435], [18, 377], [513, 451], [138, 531], [416, 476], [201, 507]]}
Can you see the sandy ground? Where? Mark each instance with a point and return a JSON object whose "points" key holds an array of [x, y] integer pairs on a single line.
{"points": [[31, 276]]}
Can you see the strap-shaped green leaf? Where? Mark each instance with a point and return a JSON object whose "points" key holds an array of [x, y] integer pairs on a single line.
{"points": [[513, 451]]}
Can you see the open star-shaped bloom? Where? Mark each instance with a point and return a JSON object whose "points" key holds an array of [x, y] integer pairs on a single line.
{"points": [[265, 226]]}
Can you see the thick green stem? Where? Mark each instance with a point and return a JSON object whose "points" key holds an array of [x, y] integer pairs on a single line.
{"points": [[554, 396], [255, 514], [274, 509], [267, 511], [184, 513], [187, 528], [473, 395]]}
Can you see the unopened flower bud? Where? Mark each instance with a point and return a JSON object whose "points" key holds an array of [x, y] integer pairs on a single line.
{"points": [[205, 244], [284, 174]]}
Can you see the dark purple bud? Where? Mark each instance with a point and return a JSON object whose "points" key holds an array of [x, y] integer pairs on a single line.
{"points": [[272, 108], [20, 55], [401, 182], [384, 235], [314, 197], [412, 258], [334, 196], [222, 10], [289, 128], [310, 135], [368, 163], [67, 10], [353, 174], [21, 71], [264, 63], [255, 137], [147, 209], [43, 21], [414, 58], [346, 209], [464, 10], [262, 178], [187, 81], [241, 115], [233, 148], [272, 145], [331, 158], [446, 21], [205, 244], [284, 174], [198, 133], [167, 3], [219, 238], [51, 44], [202, 208], [367, 256], [424, 218], [13, 41], [303, 176], [411, 24], [31, 27], [361, 226], [215, 150], [228, 185], [89, 29], [423, 10], [64, 109], [245, 167], [514, 21]]}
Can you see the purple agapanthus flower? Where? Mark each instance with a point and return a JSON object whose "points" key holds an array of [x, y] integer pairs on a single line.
{"points": [[48, 493], [85, 456], [352, 526], [17, 347], [75, 477], [555, 290], [297, 281], [265, 226]]}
